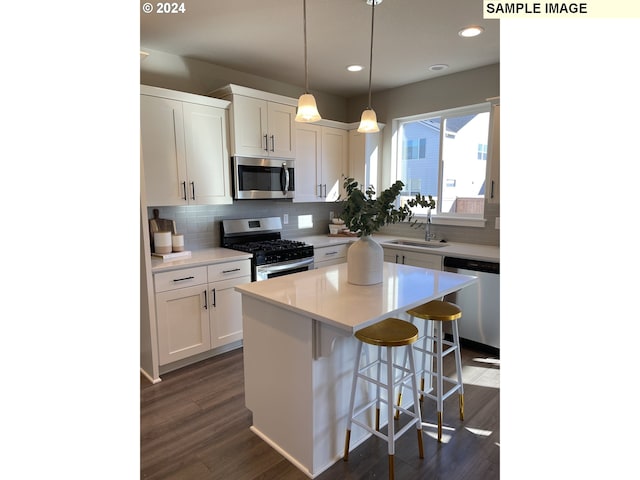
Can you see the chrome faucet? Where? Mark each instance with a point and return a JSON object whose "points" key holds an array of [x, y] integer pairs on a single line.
{"points": [[427, 234]]}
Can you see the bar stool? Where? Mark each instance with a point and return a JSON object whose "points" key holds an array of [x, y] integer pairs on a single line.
{"points": [[438, 311], [388, 333]]}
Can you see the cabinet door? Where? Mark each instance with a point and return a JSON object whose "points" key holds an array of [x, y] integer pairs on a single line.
{"points": [[325, 256], [335, 150], [207, 155], [163, 151], [183, 323], [226, 311], [407, 257], [494, 157], [249, 126], [308, 163], [281, 126]]}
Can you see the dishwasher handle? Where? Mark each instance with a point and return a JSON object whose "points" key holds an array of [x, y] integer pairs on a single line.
{"points": [[471, 264]]}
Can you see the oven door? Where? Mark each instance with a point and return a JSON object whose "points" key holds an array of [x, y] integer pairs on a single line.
{"points": [[255, 178], [264, 272]]}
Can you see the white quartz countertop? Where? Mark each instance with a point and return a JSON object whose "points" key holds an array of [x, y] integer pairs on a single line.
{"points": [[473, 251], [326, 296], [207, 256]]}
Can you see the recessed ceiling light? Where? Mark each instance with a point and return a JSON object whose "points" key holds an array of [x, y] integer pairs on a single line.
{"points": [[355, 68], [471, 31], [438, 66]]}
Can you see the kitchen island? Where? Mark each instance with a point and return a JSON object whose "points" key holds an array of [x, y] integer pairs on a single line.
{"points": [[299, 352]]}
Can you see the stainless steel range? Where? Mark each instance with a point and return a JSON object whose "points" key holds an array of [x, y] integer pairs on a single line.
{"points": [[273, 256]]}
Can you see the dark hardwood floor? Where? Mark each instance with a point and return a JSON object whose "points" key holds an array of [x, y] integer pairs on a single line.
{"points": [[194, 426]]}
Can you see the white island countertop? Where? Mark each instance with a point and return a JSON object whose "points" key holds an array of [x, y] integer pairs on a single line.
{"points": [[326, 296]]}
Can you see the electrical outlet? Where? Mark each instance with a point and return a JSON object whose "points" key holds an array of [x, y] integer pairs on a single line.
{"points": [[285, 218]]}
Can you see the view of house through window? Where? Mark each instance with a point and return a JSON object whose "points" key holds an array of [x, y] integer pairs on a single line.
{"points": [[445, 155]]}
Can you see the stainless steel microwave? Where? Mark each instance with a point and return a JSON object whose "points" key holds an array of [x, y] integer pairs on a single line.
{"points": [[255, 178]]}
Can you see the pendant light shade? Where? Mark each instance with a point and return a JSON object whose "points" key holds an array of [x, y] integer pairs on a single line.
{"points": [[369, 121], [307, 109]]}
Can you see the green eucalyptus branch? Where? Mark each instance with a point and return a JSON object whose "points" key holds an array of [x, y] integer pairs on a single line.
{"points": [[364, 214]]}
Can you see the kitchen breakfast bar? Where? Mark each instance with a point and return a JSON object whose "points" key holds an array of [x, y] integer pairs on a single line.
{"points": [[299, 352]]}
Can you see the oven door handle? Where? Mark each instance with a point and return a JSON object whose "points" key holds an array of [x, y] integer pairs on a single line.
{"points": [[286, 266], [284, 178]]}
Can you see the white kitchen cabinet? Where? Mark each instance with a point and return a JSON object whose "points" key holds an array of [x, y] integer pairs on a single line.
{"points": [[260, 128], [321, 163], [197, 309], [225, 312], [417, 259], [182, 314], [261, 124], [184, 148], [331, 255], [493, 174], [364, 156]]}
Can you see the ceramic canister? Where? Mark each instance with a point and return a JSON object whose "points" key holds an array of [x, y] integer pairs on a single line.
{"points": [[162, 242], [177, 242]]}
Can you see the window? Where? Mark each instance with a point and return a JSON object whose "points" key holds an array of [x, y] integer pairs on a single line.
{"points": [[444, 154]]}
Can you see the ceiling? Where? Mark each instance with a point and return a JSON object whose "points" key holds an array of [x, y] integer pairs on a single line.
{"points": [[265, 38]]}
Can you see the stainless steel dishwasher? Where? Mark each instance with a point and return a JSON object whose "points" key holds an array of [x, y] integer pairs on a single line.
{"points": [[480, 302]]}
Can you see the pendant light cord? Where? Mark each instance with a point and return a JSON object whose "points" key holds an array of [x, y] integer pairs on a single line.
{"points": [[306, 62], [373, 7]]}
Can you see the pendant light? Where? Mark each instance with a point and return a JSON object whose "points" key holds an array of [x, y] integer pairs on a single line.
{"points": [[307, 109], [368, 121]]}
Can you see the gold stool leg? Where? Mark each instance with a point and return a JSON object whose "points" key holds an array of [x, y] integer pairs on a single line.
{"points": [[391, 477], [461, 402], [439, 426], [346, 446], [420, 447], [377, 419]]}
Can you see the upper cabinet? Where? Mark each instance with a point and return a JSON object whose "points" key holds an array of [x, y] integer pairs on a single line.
{"points": [[321, 162], [261, 124], [493, 152], [184, 148]]}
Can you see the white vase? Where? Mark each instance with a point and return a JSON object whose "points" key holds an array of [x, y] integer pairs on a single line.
{"points": [[365, 258]]}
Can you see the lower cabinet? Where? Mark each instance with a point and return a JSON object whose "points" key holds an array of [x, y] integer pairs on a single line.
{"points": [[325, 256], [417, 259], [197, 309]]}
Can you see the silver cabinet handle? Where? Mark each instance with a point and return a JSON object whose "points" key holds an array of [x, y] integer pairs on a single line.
{"points": [[273, 143], [213, 294], [184, 189], [492, 184], [320, 190], [205, 300], [330, 253], [266, 143], [325, 190], [193, 191]]}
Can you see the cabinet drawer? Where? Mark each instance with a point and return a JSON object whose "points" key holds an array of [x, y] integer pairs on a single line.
{"points": [[324, 254], [174, 279], [223, 271]]}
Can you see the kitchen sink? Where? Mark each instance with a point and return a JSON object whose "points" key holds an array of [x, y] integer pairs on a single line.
{"points": [[417, 243]]}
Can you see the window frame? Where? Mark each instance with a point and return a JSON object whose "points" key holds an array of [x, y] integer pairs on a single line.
{"points": [[438, 217]]}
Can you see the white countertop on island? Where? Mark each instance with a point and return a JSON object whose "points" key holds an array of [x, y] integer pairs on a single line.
{"points": [[326, 296]]}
